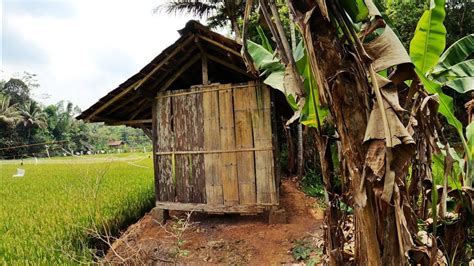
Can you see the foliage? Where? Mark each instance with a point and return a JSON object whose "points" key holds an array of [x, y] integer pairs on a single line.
{"points": [[453, 70], [17, 90], [425, 50], [46, 214], [267, 62], [470, 138], [9, 114], [376, 178], [257, 27], [357, 10], [312, 184], [404, 15], [217, 12], [301, 250], [429, 40], [27, 121], [459, 20], [179, 226]]}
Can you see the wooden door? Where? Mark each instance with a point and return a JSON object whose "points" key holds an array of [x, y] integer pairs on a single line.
{"points": [[214, 146]]}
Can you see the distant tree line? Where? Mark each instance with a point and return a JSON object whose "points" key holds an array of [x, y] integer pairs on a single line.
{"points": [[26, 122]]}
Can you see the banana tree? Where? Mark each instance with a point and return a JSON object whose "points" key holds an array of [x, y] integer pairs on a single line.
{"points": [[449, 69], [384, 119]]}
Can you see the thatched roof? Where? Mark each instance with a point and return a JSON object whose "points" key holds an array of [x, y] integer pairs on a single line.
{"points": [[177, 67], [115, 143]]}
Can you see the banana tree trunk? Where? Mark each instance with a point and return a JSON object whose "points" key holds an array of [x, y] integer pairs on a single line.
{"points": [[300, 160], [299, 135], [343, 86]]}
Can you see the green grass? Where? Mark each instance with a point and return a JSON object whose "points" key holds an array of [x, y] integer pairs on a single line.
{"points": [[312, 184], [45, 215]]}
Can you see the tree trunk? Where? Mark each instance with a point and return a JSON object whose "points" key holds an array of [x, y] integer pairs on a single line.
{"points": [[290, 149], [235, 28], [348, 106], [300, 157], [299, 135]]}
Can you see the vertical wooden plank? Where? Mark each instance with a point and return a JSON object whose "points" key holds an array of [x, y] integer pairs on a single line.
{"points": [[181, 126], [197, 136], [154, 139], [276, 146], [164, 142], [262, 133], [212, 162], [205, 73], [190, 138], [228, 170], [244, 103]]}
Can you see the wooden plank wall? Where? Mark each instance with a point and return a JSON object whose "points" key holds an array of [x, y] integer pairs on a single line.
{"points": [[208, 126], [164, 142], [188, 132], [262, 138], [244, 103], [228, 170], [212, 161]]}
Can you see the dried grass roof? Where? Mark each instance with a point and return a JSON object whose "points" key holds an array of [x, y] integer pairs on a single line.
{"points": [[177, 67]]}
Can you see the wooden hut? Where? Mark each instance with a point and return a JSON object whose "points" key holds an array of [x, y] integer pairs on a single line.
{"points": [[212, 125], [115, 143]]}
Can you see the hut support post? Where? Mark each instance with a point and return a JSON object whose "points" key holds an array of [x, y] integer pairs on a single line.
{"points": [[205, 73]]}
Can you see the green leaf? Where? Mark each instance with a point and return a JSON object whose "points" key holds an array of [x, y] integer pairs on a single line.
{"points": [[299, 52], [275, 80], [263, 59], [292, 102], [456, 53], [446, 107], [356, 9], [461, 85], [430, 37], [458, 166], [463, 69], [265, 43], [470, 138], [311, 109]]}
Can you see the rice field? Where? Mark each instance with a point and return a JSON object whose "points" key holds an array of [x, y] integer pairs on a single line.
{"points": [[47, 215]]}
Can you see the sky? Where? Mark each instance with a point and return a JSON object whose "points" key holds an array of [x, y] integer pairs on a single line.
{"points": [[82, 49]]}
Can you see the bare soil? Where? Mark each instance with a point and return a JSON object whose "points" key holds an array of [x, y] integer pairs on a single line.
{"points": [[223, 239]]}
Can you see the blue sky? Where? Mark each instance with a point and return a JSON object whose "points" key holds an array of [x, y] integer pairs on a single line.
{"points": [[82, 49]]}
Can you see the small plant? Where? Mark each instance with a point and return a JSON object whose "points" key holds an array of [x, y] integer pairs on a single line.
{"points": [[178, 229], [311, 184], [301, 250]]}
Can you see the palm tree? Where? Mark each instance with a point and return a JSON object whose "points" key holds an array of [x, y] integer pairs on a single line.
{"points": [[32, 116], [217, 12], [9, 114]]}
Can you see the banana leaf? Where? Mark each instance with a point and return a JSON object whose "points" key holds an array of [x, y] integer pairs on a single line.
{"points": [[456, 53], [429, 40]]}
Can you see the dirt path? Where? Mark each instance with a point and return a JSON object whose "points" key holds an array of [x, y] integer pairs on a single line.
{"points": [[224, 239]]}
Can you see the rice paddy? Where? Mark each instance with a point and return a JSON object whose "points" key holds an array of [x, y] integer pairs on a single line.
{"points": [[47, 215]]}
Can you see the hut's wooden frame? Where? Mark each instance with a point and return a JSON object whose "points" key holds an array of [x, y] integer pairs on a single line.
{"points": [[134, 103], [254, 181]]}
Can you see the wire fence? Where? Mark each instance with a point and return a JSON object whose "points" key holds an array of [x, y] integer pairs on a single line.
{"points": [[45, 150]]}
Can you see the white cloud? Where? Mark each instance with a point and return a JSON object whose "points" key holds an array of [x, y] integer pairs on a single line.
{"points": [[84, 48]]}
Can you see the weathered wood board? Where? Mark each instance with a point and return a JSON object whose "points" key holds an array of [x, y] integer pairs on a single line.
{"points": [[262, 135], [212, 162], [244, 104], [228, 170], [164, 142], [214, 146]]}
